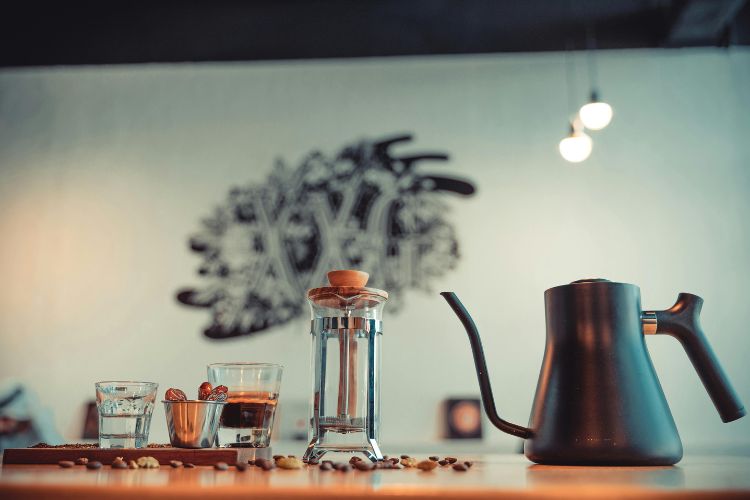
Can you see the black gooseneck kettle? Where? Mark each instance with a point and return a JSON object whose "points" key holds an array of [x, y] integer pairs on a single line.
{"points": [[598, 400]]}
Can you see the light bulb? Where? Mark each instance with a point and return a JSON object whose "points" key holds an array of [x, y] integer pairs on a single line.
{"points": [[576, 147], [596, 114]]}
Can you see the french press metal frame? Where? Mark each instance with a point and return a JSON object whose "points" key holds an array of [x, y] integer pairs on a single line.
{"points": [[343, 328]]}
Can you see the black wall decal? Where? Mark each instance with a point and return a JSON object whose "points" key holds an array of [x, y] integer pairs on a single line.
{"points": [[364, 207]]}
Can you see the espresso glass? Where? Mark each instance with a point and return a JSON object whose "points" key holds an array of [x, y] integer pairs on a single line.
{"points": [[253, 394], [125, 410]]}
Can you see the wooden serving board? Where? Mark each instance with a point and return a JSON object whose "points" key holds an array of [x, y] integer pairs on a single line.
{"points": [[207, 456]]}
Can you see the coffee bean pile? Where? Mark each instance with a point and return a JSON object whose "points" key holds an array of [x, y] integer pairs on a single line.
{"points": [[120, 463], [291, 462], [357, 463]]}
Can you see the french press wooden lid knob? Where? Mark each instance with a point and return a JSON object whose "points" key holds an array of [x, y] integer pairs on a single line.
{"points": [[348, 277]]}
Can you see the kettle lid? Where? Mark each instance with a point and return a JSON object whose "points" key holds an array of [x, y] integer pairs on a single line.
{"points": [[589, 283]]}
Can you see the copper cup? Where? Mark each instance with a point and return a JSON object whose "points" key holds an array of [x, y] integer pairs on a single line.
{"points": [[193, 424]]}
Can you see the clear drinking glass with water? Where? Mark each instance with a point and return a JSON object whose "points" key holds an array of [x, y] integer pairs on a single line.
{"points": [[125, 410], [247, 417]]}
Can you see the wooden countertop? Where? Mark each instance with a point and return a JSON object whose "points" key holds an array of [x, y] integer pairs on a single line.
{"points": [[493, 476]]}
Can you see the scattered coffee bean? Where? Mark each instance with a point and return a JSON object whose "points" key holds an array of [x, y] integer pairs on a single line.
{"points": [[147, 463], [132, 464], [66, 464], [94, 465], [119, 464], [427, 465], [354, 460], [189, 466], [204, 391], [242, 467], [289, 463], [409, 462], [451, 460], [326, 466], [443, 462], [434, 458], [395, 461], [460, 467], [404, 456], [173, 394], [82, 461], [221, 466], [251, 461], [267, 465], [364, 466], [468, 464], [175, 463]]}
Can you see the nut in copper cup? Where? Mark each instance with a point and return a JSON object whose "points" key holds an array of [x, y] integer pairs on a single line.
{"points": [[193, 424]]}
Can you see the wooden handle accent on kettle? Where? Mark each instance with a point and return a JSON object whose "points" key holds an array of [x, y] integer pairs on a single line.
{"points": [[348, 277]]}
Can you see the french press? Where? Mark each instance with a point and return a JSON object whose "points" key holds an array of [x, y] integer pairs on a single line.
{"points": [[346, 328]]}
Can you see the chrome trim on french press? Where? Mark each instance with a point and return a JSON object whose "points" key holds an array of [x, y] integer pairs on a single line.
{"points": [[346, 323]]}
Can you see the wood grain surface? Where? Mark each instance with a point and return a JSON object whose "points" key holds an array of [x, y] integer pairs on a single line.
{"points": [[492, 476]]}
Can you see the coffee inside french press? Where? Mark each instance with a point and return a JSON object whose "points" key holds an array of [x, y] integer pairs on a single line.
{"points": [[346, 328]]}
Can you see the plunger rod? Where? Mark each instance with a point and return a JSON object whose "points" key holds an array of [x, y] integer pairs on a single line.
{"points": [[353, 372], [347, 397], [343, 400]]}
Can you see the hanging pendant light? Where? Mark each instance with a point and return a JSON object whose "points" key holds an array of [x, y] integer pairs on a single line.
{"points": [[577, 146], [596, 114]]}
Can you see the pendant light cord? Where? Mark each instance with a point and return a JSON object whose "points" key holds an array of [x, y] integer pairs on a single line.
{"points": [[570, 80], [591, 62]]}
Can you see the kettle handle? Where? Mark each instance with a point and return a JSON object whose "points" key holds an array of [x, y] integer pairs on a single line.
{"points": [[682, 321]]}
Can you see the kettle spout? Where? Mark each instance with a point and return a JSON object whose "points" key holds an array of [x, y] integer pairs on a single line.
{"points": [[481, 365]]}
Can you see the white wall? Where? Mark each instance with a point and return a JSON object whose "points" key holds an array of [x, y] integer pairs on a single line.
{"points": [[105, 172]]}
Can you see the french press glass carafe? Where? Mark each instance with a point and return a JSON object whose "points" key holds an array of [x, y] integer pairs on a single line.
{"points": [[346, 329]]}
